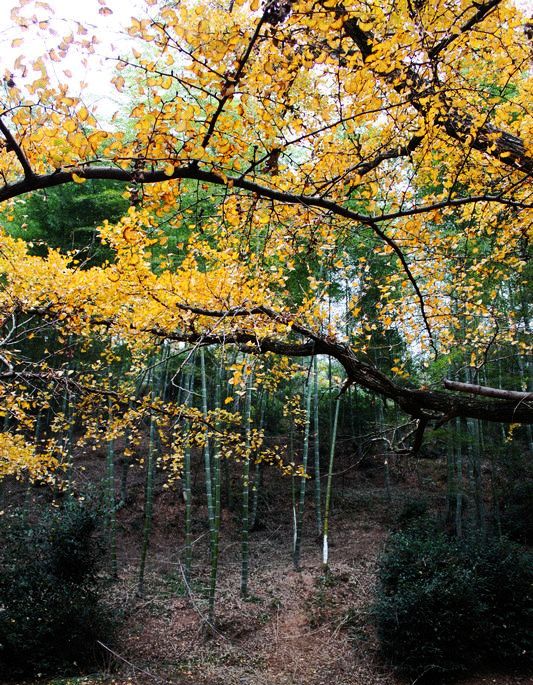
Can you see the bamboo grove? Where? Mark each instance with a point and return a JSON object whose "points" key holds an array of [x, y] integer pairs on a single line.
{"points": [[319, 198]]}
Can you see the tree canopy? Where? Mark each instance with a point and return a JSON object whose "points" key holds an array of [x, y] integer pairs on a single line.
{"points": [[303, 178]]}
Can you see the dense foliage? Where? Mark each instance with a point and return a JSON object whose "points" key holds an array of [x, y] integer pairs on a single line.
{"points": [[51, 615], [348, 179], [448, 605]]}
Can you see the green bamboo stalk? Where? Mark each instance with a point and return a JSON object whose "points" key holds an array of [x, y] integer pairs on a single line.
{"points": [[148, 503], [163, 375], [325, 529], [245, 546], [477, 477], [316, 447], [216, 497], [258, 471], [459, 481], [157, 381], [474, 455], [125, 469], [207, 458], [450, 480], [225, 464], [111, 509], [187, 491], [303, 480], [330, 376], [256, 487], [293, 486]]}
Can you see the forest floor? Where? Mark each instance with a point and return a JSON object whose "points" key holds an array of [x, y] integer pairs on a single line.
{"points": [[295, 628]]}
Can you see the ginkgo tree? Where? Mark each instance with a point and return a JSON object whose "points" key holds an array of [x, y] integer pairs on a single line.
{"points": [[315, 134]]}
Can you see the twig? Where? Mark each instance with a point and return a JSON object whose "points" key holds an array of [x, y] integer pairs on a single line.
{"points": [[128, 663], [195, 606]]}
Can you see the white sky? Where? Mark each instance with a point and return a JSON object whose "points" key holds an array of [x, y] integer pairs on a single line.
{"points": [[108, 29]]}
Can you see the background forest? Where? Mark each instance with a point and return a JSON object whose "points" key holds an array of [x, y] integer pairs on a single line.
{"points": [[265, 346]]}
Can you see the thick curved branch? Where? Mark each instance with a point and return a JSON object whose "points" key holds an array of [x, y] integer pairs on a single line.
{"points": [[193, 172], [421, 403], [247, 342], [428, 405]]}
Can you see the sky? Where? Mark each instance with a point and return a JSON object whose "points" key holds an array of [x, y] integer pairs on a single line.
{"points": [[107, 28]]}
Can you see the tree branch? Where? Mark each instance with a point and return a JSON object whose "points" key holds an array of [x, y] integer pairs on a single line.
{"points": [[13, 146], [192, 172], [483, 10], [504, 146], [422, 404], [487, 391], [428, 405]]}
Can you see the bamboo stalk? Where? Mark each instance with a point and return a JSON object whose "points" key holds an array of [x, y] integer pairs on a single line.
{"points": [[111, 505], [157, 382], [216, 497], [303, 480], [207, 457], [125, 468], [187, 493], [148, 504], [258, 471], [459, 482], [245, 534], [316, 448], [325, 530]]}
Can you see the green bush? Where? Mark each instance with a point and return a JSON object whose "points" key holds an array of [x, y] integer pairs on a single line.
{"points": [[50, 611], [412, 510], [517, 512], [444, 605]]}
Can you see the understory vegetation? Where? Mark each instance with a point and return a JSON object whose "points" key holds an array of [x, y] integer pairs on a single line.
{"points": [[447, 605], [51, 613], [442, 604]]}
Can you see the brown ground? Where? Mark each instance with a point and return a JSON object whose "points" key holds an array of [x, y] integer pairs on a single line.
{"points": [[296, 628]]}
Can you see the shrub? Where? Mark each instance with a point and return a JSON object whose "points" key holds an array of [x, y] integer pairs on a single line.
{"points": [[413, 509], [517, 512], [444, 605], [50, 611]]}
